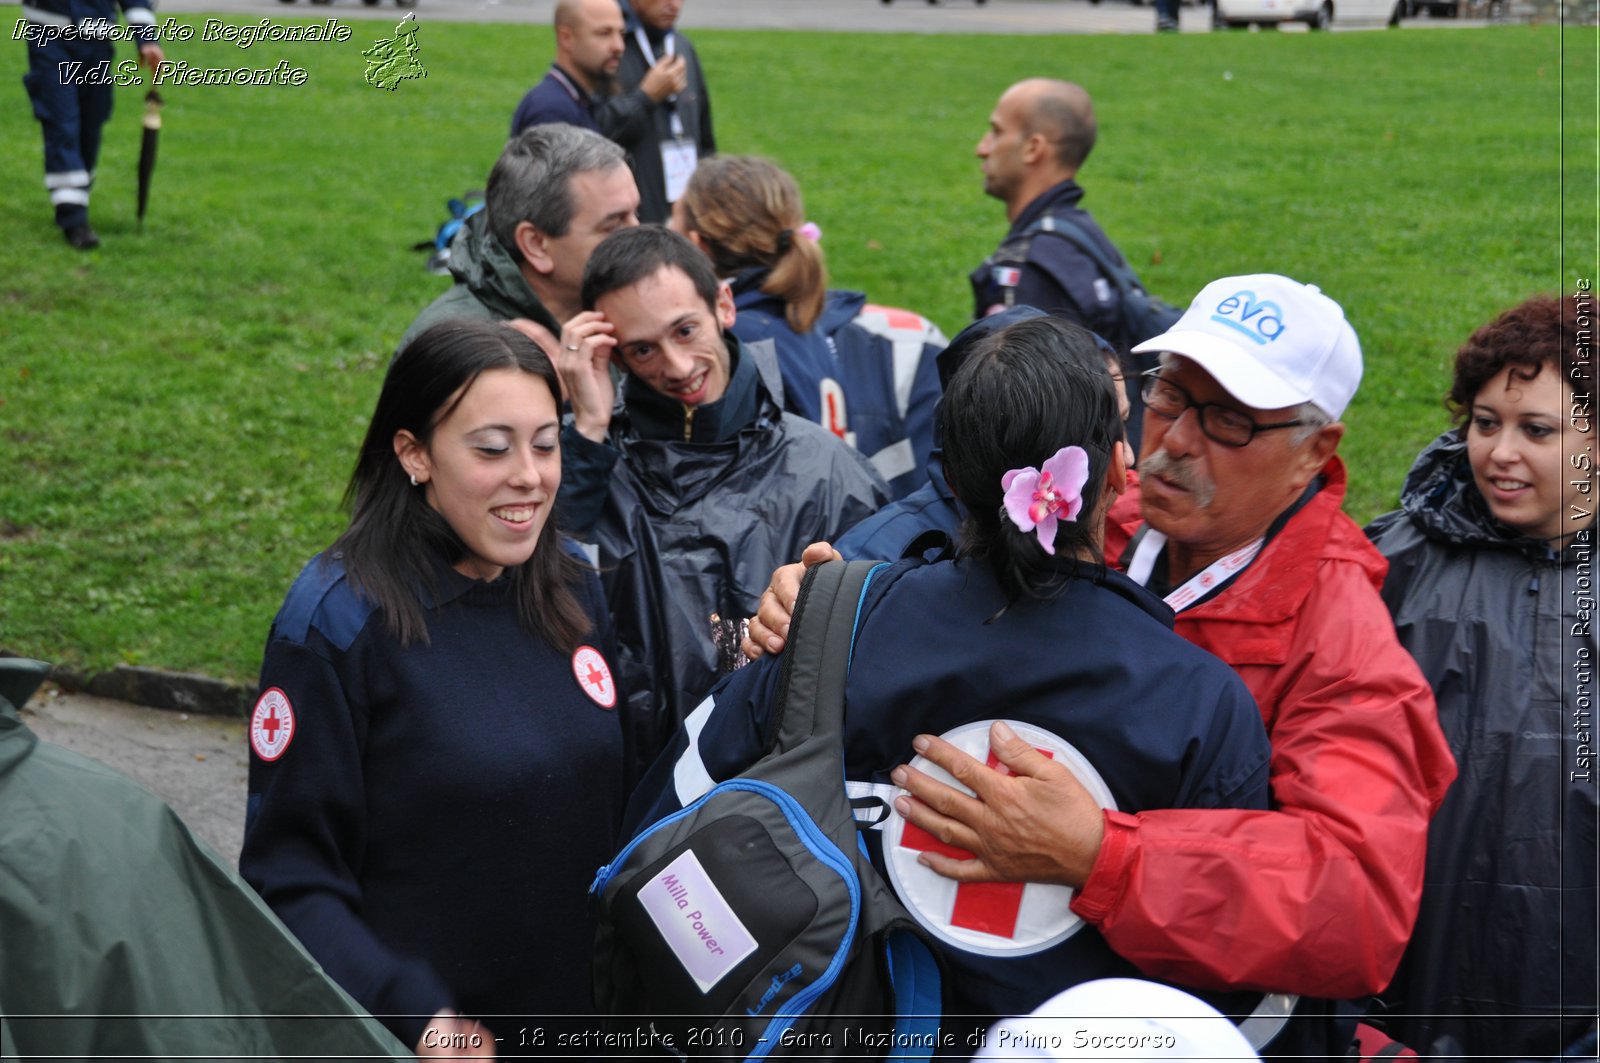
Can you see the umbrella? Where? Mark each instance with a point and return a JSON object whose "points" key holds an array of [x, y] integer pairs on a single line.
{"points": [[147, 149]]}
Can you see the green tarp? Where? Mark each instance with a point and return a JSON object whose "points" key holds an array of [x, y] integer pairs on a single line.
{"points": [[121, 934]]}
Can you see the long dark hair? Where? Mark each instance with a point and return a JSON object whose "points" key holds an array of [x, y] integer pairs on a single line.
{"points": [[1022, 394], [396, 540]]}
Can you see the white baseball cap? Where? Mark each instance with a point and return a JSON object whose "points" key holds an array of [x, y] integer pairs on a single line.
{"points": [[1119, 1019], [1270, 342]]}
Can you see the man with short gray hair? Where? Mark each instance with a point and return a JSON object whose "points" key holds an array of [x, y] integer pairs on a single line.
{"points": [[554, 194]]}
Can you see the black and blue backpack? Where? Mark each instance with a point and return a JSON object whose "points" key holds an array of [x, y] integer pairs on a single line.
{"points": [[751, 923], [460, 210]]}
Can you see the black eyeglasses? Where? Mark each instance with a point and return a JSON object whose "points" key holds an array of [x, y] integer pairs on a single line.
{"points": [[1224, 424]]}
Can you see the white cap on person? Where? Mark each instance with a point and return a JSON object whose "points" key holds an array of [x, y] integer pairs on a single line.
{"points": [[1271, 342], [1118, 1019]]}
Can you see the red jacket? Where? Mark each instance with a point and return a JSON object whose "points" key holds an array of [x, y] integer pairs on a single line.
{"points": [[1318, 896]]}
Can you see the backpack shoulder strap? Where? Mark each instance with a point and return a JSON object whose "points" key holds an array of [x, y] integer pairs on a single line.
{"points": [[1120, 274], [816, 663]]}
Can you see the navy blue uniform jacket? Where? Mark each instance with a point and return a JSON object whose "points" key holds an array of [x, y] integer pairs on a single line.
{"points": [[1165, 724], [431, 828], [1048, 271], [557, 98], [868, 374]]}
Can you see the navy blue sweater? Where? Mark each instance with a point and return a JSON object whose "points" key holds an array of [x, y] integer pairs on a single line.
{"points": [[1165, 725], [431, 827]]}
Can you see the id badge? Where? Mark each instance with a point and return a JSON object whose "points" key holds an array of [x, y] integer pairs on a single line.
{"points": [[678, 160]]}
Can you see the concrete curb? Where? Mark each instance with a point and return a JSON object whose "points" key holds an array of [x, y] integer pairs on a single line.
{"points": [[157, 689]]}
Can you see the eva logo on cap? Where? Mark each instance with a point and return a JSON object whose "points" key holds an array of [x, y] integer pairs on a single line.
{"points": [[1261, 322]]}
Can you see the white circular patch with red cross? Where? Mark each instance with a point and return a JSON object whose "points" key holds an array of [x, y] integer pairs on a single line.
{"points": [[594, 676], [271, 724], [988, 918]]}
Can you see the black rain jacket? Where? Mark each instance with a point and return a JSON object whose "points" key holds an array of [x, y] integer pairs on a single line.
{"points": [[687, 528]]}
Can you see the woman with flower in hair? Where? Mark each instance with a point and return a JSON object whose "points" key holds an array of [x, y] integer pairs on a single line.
{"points": [[865, 372], [1022, 632]]}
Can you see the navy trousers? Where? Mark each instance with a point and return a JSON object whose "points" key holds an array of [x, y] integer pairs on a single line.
{"points": [[72, 116]]}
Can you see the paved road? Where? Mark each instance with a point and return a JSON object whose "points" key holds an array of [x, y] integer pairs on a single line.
{"points": [[902, 16], [867, 16], [197, 764]]}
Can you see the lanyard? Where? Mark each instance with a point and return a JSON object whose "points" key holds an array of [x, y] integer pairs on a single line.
{"points": [[566, 83], [1152, 542], [670, 43]]}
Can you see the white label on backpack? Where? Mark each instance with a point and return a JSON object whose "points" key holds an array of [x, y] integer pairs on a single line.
{"points": [[696, 922]]}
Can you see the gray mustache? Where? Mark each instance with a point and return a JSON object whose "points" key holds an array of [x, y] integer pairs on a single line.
{"points": [[1182, 471]]}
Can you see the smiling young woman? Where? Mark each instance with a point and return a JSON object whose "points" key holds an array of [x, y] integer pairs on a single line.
{"points": [[1525, 444], [1489, 558], [437, 762]]}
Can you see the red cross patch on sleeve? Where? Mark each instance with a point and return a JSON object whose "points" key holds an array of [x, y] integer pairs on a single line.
{"points": [[271, 724], [594, 676]]}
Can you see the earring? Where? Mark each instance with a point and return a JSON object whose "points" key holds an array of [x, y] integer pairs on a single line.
{"points": [[413, 479]]}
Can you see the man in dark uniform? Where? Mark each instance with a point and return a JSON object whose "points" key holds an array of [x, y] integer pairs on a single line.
{"points": [[579, 87], [1039, 135], [69, 79], [588, 50], [675, 133]]}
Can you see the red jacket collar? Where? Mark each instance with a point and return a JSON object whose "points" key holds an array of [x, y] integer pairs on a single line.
{"points": [[1275, 586]]}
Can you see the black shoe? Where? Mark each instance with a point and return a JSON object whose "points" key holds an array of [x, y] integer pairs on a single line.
{"points": [[82, 237]]}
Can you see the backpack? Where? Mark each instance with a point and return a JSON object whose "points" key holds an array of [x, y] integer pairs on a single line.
{"points": [[460, 210], [1143, 315], [751, 922]]}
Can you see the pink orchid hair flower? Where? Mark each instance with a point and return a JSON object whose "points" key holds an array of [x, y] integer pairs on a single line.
{"points": [[1036, 499]]}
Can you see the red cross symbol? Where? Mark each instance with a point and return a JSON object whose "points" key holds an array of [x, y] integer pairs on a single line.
{"points": [[271, 725], [594, 676], [987, 907]]}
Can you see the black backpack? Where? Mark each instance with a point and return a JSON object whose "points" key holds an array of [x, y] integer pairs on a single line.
{"points": [[751, 923], [1143, 315]]}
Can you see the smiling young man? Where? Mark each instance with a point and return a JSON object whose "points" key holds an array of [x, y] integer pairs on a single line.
{"points": [[699, 485]]}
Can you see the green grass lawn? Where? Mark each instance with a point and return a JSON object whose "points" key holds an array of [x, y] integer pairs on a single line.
{"points": [[179, 411]]}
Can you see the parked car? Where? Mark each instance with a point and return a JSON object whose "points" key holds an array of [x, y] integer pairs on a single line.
{"points": [[1317, 14], [369, 3]]}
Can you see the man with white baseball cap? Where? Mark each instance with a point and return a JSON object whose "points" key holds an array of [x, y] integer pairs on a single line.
{"points": [[1238, 525], [1270, 341]]}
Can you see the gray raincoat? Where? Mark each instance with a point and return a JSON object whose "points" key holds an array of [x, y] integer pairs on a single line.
{"points": [[1500, 625]]}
